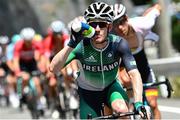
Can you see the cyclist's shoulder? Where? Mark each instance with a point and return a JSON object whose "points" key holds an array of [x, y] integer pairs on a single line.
{"points": [[114, 38], [136, 21], [65, 36], [19, 44], [47, 38], [85, 42], [10, 46], [35, 42]]}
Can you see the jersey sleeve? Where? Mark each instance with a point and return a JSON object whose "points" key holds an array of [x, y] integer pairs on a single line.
{"points": [[74, 54], [17, 48], [66, 39], [152, 36], [47, 44], [127, 58], [9, 52], [145, 22], [38, 46]]}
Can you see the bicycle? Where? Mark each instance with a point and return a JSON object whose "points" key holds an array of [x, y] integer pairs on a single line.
{"points": [[133, 115], [28, 95], [4, 92], [149, 85], [65, 99]]}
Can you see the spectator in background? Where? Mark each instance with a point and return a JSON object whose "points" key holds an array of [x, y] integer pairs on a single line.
{"points": [[11, 78]]}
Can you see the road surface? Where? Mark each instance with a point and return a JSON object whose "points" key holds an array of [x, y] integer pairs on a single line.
{"points": [[170, 109]]}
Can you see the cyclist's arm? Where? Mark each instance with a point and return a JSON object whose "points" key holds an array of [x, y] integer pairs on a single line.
{"points": [[124, 77], [59, 59], [147, 21], [152, 36], [156, 6], [131, 67], [16, 64], [136, 84], [9, 56], [16, 59]]}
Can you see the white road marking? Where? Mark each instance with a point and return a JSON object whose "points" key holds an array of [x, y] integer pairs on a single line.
{"points": [[169, 109]]}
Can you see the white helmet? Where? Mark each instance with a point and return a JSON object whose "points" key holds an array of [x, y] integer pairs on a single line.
{"points": [[99, 10], [4, 40], [119, 11], [57, 26], [27, 33]]}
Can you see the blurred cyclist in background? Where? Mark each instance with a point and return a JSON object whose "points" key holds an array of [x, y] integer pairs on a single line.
{"points": [[56, 39], [4, 70], [11, 78], [4, 41], [135, 30], [27, 56]]}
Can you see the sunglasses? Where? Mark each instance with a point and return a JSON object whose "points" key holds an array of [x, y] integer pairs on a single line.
{"points": [[120, 21], [100, 24]]}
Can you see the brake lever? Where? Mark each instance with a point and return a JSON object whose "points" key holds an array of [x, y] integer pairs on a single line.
{"points": [[143, 110], [169, 88]]}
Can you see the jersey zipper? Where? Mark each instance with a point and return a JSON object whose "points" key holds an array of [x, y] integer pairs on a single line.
{"points": [[102, 68]]}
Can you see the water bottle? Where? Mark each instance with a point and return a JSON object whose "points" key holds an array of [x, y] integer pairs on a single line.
{"points": [[85, 29]]}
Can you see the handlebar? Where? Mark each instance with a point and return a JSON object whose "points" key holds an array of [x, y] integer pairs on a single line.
{"points": [[36, 73], [114, 115], [144, 112], [166, 82]]}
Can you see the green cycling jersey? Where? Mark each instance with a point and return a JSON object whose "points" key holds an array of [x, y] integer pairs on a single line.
{"points": [[99, 66]]}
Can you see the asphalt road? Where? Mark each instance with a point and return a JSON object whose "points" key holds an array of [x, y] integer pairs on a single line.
{"points": [[170, 109]]}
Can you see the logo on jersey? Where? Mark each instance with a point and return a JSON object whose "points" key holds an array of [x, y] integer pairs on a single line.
{"points": [[132, 62], [109, 55], [99, 68], [90, 59]]}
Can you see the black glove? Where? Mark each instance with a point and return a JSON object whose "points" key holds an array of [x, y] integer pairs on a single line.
{"points": [[75, 39], [139, 107], [79, 31]]}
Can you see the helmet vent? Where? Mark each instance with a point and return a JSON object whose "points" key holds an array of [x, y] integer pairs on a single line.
{"points": [[90, 10], [106, 10], [97, 9]]}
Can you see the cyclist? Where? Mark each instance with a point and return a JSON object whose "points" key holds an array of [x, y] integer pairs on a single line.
{"points": [[135, 30], [27, 54], [55, 41], [4, 70], [99, 58], [4, 41], [11, 78]]}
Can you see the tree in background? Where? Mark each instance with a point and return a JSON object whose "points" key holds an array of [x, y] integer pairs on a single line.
{"points": [[176, 31]]}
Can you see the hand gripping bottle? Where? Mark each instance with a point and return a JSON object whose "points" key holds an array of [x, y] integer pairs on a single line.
{"points": [[86, 30]]}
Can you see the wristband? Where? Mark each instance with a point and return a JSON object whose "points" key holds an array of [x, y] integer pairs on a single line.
{"points": [[138, 104], [73, 42]]}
